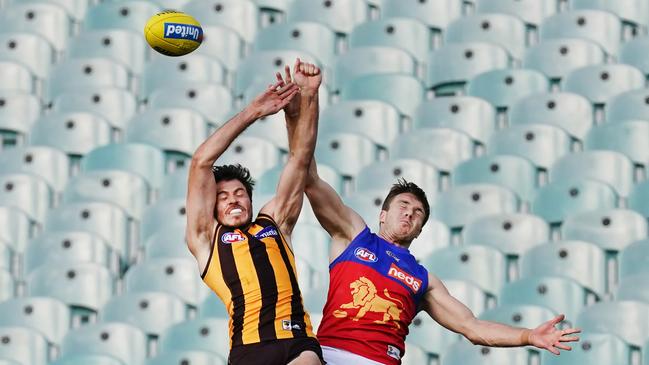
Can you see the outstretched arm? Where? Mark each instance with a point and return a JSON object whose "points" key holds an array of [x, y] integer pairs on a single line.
{"points": [[455, 316]]}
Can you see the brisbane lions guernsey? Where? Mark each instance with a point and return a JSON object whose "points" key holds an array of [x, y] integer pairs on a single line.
{"points": [[374, 291]]}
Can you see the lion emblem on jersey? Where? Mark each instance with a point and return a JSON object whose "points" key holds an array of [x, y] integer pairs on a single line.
{"points": [[366, 299]]}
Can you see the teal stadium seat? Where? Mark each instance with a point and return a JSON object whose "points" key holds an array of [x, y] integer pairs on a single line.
{"points": [[367, 204], [87, 359], [513, 172], [131, 15], [598, 26], [599, 83], [6, 258], [51, 164], [505, 30], [189, 357], [239, 15], [23, 345], [452, 65], [76, 9], [443, 148], [214, 102], [519, 315], [75, 133], [47, 315], [171, 211], [120, 340], [632, 105], [626, 319], [581, 261], [188, 70], [18, 112], [26, 192], [633, 51], [629, 137], [266, 185], [175, 184], [213, 307], [634, 258], [169, 242], [503, 88], [45, 19], [532, 12], [413, 355], [16, 78], [511, 233], [473, 116], [569, 111], [121, 45], [348, 153], [311, 243], [8, 287], [542, 144], [200, 334], [151, 312], [85, 74], [633, 287], [436, 15], [29, 49], [382, 175], [117, 106], [369, 61], [340, 15], [558, 200], [17, 229], [557, 58], [255, 153], [612, 230], [463, 352], [593, 348], [402, 91], [222, 43], [634, 11]]}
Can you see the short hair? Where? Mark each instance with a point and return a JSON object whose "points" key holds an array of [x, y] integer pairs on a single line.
{"points": [[402, 186], [234, 172]]}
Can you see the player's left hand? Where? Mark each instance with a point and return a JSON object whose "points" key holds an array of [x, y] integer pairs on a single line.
{"points": [[547, 337], [307, 76]]}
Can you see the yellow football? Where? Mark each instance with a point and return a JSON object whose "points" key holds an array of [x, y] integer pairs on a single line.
{"points": [[173, 33]]}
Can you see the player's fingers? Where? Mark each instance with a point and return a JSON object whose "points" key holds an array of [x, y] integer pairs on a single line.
{"points": [[276, 85], [279, 78], [553, 350], [571, 331], [558, 319], [569, 339], [563, 347], [287, 90], [287, 73], [296, 66], [288, 98]]}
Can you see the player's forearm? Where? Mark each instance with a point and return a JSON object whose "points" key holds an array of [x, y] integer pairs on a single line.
{"points": [[305, 130], [493, 334]]}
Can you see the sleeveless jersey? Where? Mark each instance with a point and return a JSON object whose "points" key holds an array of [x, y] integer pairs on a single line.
{"points": [[374, 292], [252, 270]]}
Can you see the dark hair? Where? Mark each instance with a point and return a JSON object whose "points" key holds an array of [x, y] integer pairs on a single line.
{"points": [[401, 187], [234, 172]]}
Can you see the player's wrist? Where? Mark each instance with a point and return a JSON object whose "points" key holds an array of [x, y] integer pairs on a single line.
{"points": [[526, 337]]}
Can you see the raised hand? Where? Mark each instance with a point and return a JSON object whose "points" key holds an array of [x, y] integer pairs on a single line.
{"points": [[547, 337], [274, 98], [307, 76], [292, 109]]}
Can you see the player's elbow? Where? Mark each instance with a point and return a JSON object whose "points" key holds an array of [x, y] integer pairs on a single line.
{"points": [[470, 331], [201, 160]]}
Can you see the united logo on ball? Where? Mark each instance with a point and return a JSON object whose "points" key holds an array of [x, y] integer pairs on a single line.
{"points": [[173, 33]]}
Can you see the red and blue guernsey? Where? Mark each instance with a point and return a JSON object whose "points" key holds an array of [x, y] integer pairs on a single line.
{"points": [[374, 291]]}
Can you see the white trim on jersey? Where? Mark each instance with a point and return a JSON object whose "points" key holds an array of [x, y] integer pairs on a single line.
{"points": [[334, 356]]}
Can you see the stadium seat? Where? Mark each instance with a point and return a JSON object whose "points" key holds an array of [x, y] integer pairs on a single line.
{"points": [[515, 173], [16, 228], [405, 33], [125, 189], [84, 287], [434, 235], [480, 265], [200, 334], [189, 357], [188, 70], [633, 51], [45, 19], [68, 248], [212, 307], [16, 78], [581, 261], [131, 15], [169, 242], [23, 345], [542, 144], [629, 137], [612, 230], [558, 200], [435, 14], [240, 15], [86, 74], [172, 212], [596, 165], [504, 30], [443, 148], [598, 26], [310, 242], [120, 340], [473, 116], [120, 45], [464, 353], [453, 64], [47, 315], [369, 61], [51, 164], [87, 359], [214, 102], [519, 315], [413, 355], [255, 153], [599, 83], [222, 43], [367, 204], [569, 111], [174, 185], [267, 183], [382, 175], [18, 112], [144, 160], [557, 58], [104, 219], [375, 119], [8, 287], [532, 12], [511, 233], [628, 105], [26, 192], [339, 15], [117, 106], [75, 133], [151, 312], [177, 131], [402, 91], [503, 88], [170, 275], [76, 9], [6, 258], [593, 348], [624, 318], [560, 294], [29, 49], [634, 11], [348, 153], [633, 287], [634, 259]]}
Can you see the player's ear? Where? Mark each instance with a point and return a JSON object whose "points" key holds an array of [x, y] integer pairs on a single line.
{"points": [[383, 216]]}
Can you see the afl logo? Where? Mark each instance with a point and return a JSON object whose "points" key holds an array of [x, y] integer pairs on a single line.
{"points": [[364, 254], [232, 237]]}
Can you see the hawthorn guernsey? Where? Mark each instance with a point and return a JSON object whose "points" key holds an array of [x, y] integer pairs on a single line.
{"points": [[374, 293]]}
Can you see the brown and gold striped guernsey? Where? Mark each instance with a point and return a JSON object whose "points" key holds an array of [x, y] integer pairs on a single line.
{"points": [[252, 269]]}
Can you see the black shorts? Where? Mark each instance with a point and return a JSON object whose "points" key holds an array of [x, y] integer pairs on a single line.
{"points": [[277, 352]]}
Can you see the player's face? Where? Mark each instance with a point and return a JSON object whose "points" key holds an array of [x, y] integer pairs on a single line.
{"points": [[404, 218], [233, 206]]}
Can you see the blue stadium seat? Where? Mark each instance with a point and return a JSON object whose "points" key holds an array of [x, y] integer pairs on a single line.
{"points": [[16, 78], [382, 175], [339, 15], [598, 26], [169, 242], [17, 229], [51, 164], [367, 204], [240, 15], [87, 359], [511, 233], [556, 58], [593, 348], [115, 105], [214, 102], [75, 133], [581, 261], [632, 104], [201, 334], [255, 153], [47, 315], [505, 30], [629, 137], [569, 111], [634, 258], [260, 67], [503, 88], [633, 287], [596, 165], [367, 61], [131, 15], [473, 116], [222, 43], [310, 243], [124, 46], [45, 19], [599, 83], [532, 12], [151, 312], [188, 70], [267, 183], [625, 319], [175, 184], [76, 9], [434, 235], [558, 200], [29, 49], [7, 259], [86, 74], [348, 153], [191, 357], [513, 172], [635, 11], [213, 307], [435, 14], [23, 345], [443, 148], [172, 212], [26, 192], [402, 91], [18, 111], [463, 352], [612, 230], [633, 51], [542, 144], [519, 315], [8, 287], [120, 340]]}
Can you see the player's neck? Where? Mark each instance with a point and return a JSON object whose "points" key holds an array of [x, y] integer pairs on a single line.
{"points": [[388, 237]]}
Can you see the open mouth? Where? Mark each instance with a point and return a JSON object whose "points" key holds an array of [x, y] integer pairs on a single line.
{"points": [[236, 212]]}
